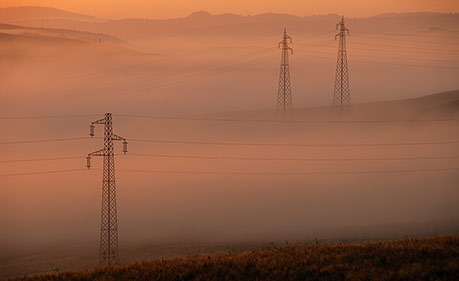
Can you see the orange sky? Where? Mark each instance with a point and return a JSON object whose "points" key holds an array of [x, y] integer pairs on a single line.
{"points": [[180, 8]]}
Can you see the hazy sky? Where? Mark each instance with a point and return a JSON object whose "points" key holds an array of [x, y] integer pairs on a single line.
{"points": [[180, 8]]}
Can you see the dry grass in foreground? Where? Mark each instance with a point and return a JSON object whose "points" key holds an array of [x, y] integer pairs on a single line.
{"points": [[435, 258]]}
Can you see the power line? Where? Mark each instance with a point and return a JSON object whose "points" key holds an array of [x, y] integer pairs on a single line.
{"points": [[389, 63], [373, 56], [190, 76], [295, 159], [241, 143], [245, 144], [279, 121], [40, 159], [199, 76], [43, 141], [407, 34], [296, 144], [409, 40], [242, 173], [398, 48], [386, 47], [291, 173], [242, 158], [43, 172], [230, 120], [46, 116], [218, 68], [314, 36], [321, 52]]}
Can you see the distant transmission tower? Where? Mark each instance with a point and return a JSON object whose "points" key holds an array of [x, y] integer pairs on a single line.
{"points": [[284, 94], [109, 228], [342, 96]]}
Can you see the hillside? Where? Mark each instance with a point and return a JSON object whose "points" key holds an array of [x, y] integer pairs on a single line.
{"points": [[205, 25], [434, 258], [59, 34], [434, 106], [34, 13]]}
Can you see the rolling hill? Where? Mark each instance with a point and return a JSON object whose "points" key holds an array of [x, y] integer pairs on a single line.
{"points": [[35, 13], [204, 24], [432, 258], [439, 105], [59, 34]]}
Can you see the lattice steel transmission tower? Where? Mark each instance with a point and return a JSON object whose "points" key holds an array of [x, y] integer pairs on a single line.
{"points": [[284, 93], [109, 227], [342, 96]]}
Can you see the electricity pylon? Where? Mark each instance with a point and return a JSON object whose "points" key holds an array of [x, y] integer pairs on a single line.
{"points": [[109, 225], [342, 96], [284, 94]]}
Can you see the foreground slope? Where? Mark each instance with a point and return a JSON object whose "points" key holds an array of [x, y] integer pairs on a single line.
{"points": [[435, 258]]}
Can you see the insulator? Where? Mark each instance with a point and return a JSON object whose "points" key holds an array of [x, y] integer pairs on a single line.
{"points": [[125, 146], [91, 130], [88, 162]]}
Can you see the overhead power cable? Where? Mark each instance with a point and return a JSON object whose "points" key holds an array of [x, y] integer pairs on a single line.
{"points": [[295, 159], [190, 73], [42, 172], [216, 68], [48, 116], [296, 144], [185, 118], [41, 159], [402, 39], [240, 158], [280, 121], [242, 173], [291, 173], [243, 143], [43, 141], [382, 62]]}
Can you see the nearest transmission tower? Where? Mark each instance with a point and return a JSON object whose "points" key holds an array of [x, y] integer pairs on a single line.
{"points": [[109, 228], [284, 94], [342, 96]]}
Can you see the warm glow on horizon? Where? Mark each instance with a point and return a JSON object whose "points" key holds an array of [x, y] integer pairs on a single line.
{"points": [[180, 8]]}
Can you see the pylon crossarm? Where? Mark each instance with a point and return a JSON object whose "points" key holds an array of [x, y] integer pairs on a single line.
{"points": [[97, 153], [125, 143], [91, 127], [117, 138], [100, 121]]}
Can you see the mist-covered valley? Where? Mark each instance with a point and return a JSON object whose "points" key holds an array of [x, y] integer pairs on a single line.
{"points": [[210, 168]]}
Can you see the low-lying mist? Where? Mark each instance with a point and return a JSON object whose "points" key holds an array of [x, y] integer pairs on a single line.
{"points": [[329, 192]]}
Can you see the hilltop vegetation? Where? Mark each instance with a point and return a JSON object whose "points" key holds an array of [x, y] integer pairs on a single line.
{"points": [[434, 258]]}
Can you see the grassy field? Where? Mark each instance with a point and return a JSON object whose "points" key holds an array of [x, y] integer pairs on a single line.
{"points": [[434, 258]]}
